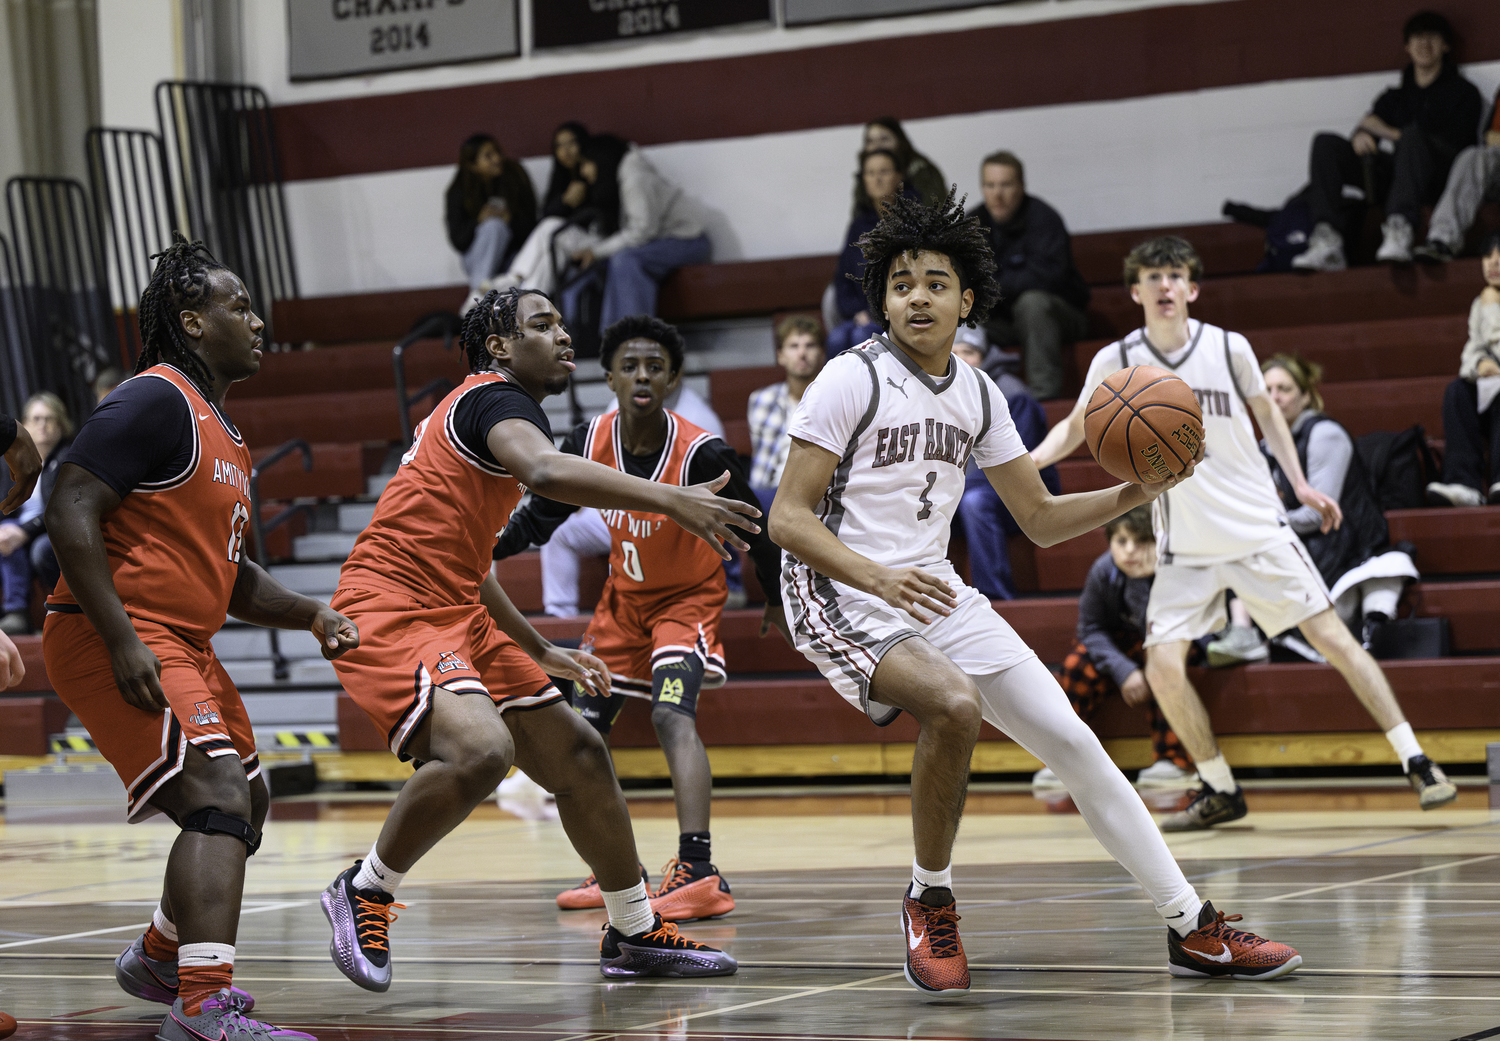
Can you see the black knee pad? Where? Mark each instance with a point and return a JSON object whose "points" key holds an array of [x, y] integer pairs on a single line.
{"points": [[600, 713], [213, 821], [676, 679]]}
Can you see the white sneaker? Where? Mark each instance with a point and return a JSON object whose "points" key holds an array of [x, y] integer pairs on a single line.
{"points": [[1439, 494], [1045, 778], [1325, 251], [1240, 645], [1166, 774], [519, 786], [1395, 245]]}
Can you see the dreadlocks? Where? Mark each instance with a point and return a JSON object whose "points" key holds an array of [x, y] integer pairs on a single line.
{"points": [[910, 226], [493, 315], [179, 282]]}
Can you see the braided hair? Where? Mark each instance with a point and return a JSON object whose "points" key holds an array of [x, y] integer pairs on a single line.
{"points": [[180, 281], [493, 315], [911, 226]]}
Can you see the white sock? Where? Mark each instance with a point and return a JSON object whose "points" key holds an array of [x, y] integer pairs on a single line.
{"points": [[1181, 914], [373, 874], [204, 955], [1404, 742], [630, 909], [923, 880], [1216, 773], [163, 926]]}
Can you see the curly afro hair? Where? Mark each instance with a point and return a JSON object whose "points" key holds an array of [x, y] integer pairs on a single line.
{"points": [[642, 327], [911, 226], [493, 315]]}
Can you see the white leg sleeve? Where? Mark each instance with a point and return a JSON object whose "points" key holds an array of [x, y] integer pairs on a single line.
{"points": [[582, 535], [1027, 703]]}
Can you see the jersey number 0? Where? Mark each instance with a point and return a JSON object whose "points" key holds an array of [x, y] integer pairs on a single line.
{"points": [[632, 561]]}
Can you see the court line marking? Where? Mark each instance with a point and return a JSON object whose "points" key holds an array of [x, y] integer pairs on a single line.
{"points": [[1380, 878], [141, 925]]}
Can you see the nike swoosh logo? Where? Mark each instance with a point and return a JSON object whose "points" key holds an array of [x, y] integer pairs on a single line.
{"points": [[1222, 957], [913, 938], [203, 415]]}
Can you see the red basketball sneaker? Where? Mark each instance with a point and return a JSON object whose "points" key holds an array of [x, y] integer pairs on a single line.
{"points": [[934, 954], [691, 891], [1214, 949], [587, 893]]}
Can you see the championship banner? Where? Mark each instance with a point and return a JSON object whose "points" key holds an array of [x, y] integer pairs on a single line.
{"points": [[356, 37], [568, 23], [812, 12]]}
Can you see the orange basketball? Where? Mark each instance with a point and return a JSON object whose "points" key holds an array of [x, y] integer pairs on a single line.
{"points": [[7, 1025], [1143, 424]]}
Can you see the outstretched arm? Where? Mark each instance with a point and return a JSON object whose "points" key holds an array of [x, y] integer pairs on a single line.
{"points": [[797, 530], [1279, 441], [261, 600], [577, 666], [520, 446], [25, 467], [1061, 440], [1048, 519]]}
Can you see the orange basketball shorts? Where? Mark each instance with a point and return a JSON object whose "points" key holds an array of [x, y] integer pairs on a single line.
{"points": [[147, 748], [633, 634], [406, 650]]}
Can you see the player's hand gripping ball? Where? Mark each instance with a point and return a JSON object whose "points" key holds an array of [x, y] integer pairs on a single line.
{"points": [[1144, 425]]}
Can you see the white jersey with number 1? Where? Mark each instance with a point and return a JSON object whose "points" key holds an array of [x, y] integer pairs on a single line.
{"points": [[1229, 509]]}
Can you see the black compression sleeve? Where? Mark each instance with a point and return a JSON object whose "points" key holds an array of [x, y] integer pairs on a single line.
{"points": [[712, 459], [141, 434]]}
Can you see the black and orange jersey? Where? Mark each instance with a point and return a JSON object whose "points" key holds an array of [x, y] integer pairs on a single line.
{"points": [[438, 518], [649, 553], [175, 541]]}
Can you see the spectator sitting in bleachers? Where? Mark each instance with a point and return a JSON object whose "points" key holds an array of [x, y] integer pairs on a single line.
{"points": [[1044, 297], [1109, 657], [1427, 120], [25, 549], [1471, 419], [105, 381], [801, 350], [985, 522], [490, 207], [1475, 178], [1365, 575], [919, 173], [658, 230], [566, 188], [880, 179]]}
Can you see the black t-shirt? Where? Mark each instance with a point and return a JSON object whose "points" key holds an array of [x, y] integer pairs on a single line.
{"points": [[479, 410], [141, 434], [538, 519]]}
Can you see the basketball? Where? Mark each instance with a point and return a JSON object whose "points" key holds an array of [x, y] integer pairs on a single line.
{"points": [[1143, 425], [7, 1025]]}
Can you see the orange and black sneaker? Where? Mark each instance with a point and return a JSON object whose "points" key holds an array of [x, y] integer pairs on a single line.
{"points": [[691, 891], [935, 958], [587, 893], [660, 951], [1215, 950]]}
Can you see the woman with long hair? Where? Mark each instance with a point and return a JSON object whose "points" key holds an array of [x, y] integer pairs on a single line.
{"points": [[918, 172], [25, 550], [566, 191], [490, 204]]}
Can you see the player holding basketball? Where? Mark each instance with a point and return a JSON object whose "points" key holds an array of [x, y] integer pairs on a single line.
{"points": [[1227, 529], [875, 472], [148, 521], [453, 674], [657, 623]]}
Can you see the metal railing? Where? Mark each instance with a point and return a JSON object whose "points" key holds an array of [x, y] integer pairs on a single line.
{"points": [[226, 179], [130, 184], [67, 323], [438, 323], [281, 670], [17, 380]]}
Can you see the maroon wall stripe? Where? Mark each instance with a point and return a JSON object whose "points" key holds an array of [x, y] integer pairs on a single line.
{"points": [[1109, 57]]}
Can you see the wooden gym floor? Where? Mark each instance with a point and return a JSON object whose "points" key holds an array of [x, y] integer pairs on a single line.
{"points": [[1396, 913]]}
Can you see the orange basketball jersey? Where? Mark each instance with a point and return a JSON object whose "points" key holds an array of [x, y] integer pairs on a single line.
{"points": [[174, 547], [438, 518], [648, 552]]}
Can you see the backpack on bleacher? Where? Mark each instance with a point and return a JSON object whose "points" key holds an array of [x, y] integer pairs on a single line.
{"points": [[1400, 465]]}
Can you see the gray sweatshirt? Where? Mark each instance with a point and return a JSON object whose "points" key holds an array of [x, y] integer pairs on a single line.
{"points": [[1484, 339], [651, 207]]}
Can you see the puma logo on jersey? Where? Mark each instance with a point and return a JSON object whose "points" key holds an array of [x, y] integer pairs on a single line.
{"points": [[203, 714], [898, 386], [228, 473], [942, 442], [449, 661]]}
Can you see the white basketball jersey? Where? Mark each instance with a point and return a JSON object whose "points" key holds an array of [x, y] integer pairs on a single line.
{"points": [[1229, 509], [903, 439]]}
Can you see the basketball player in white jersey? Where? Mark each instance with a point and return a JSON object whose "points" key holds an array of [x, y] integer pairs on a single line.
{"points": [[1227, 529], [875, 472]]}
